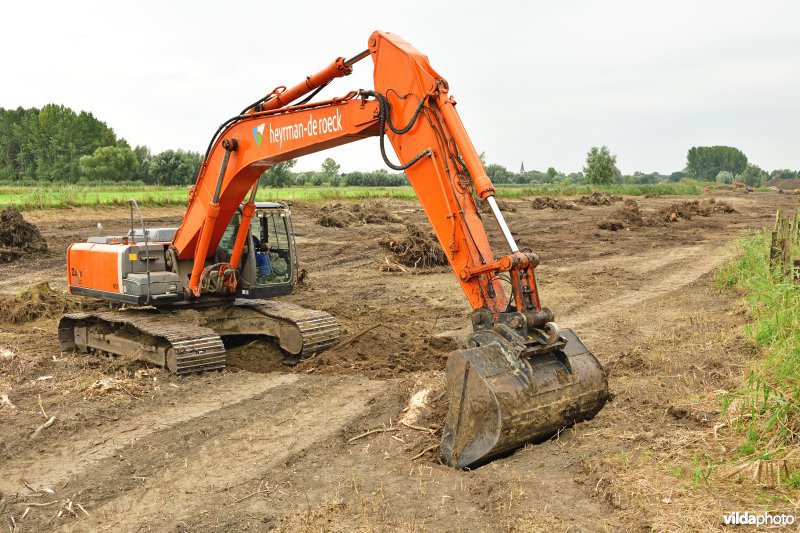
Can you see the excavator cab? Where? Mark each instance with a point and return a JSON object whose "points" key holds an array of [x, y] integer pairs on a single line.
{"points": [[268, 263]]}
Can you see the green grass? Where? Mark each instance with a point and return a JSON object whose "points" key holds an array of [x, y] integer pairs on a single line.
{"points": [[767, 405], [659, 189], [60, 196]]}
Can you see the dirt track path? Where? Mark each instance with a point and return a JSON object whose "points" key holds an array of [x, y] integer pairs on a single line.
{"points": [[251, 451]]}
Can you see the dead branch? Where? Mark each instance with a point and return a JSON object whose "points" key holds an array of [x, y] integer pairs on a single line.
{"points": [[46, 425], [34, 504], [42, 408], [418, 428], [423, 452], [354, 339], [371, 432]]}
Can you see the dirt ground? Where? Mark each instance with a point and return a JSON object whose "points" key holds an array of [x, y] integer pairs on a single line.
{"points": [[263, 446]]}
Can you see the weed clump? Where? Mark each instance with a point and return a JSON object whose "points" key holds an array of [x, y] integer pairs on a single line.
{"points": [[36, 301]]}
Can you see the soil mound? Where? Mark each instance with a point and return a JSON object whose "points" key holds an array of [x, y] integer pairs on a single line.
{"points": [[784, 184], [415, 248], [686, 210], [628, 215], [599, 198], [381, 352], [17, 236], [504, 206], [34, 302], [545, 202], [340, 215]]}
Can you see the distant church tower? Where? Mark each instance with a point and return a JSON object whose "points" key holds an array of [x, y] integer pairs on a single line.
{"points": [[522, 168]]}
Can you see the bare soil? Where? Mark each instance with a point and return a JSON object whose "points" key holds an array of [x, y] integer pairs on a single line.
{"points": [[263, 446]]}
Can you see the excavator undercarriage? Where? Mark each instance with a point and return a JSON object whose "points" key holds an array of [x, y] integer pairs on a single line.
{"points": [[192, 341]]}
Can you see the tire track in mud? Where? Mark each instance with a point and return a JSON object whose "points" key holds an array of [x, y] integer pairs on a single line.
{"points": [[95, 445], [256, 437], [670, 270]]}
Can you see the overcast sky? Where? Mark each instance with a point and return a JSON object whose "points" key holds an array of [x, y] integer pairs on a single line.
{"points": [[539, 82]]}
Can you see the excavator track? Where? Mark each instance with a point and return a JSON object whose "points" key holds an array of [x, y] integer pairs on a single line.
{"points": [[180, 346], [317, 329]]}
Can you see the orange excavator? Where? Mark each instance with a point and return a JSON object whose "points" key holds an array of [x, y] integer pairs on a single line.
{"points": [[743, 186], [520, 377]]}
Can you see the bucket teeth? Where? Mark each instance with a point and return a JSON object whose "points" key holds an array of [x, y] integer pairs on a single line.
{"points": [[503, 396]]}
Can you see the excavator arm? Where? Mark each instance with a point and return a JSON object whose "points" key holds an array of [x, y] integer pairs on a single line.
{"points": [[520, 377], [412, 107]]}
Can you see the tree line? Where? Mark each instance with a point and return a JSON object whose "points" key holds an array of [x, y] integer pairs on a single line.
{"points": [[56, 144], [722, 164]]}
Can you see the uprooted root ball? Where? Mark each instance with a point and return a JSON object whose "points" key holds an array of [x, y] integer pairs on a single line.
{"points": [[36, 301], [629, 214], [686, 210], [545, 202], [416, 248], [17, 236], [599, 198], [342, 215]]}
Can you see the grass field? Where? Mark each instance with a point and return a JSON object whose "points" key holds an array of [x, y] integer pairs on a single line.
{"points": [[59, 196]]}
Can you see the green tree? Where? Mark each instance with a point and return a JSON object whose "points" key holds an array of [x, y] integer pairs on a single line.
{"points": [[677, 176], [174, 167], [499, 173], [330, 171], [47, 143], [753, 176], [109, 163], [601, 166], [279, 175], [783, 174], [552, 173], [705, 162], [143, 158], [724, 176]]}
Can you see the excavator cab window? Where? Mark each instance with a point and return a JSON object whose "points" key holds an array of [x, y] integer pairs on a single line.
{"points": [[274, 258], [228, 239]]}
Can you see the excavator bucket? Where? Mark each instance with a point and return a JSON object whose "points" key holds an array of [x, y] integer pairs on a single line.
{"points": [[502, 398]]}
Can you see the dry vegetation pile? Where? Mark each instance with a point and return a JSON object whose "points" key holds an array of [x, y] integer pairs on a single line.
{"points": [[34, 302], [416, 247], [548, 202], [17, 236], [630, 214], [342, 215], [599, 198], [686, 210]]}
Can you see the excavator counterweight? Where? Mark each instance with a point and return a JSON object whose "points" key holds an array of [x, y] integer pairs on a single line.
{"points": [[519, 379]]}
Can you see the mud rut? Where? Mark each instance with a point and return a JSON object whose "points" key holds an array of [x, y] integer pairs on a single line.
{"points": [[252, 451]]}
